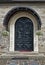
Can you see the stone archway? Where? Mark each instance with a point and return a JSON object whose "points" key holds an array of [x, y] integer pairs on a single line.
{"points": [[19, 9], [13, 16]]}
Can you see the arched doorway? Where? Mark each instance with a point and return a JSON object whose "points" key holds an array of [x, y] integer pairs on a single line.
{"points": [[24, 34], [14, 15]]}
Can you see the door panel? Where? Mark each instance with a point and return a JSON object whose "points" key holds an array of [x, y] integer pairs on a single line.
{"points": [[24, 34]]}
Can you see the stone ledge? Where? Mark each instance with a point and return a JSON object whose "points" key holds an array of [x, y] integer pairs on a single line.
{"points": [[13, 1], [29, 55]]}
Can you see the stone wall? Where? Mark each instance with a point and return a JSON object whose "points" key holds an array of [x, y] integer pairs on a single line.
{"points": [[23, 61], [39, 8]]}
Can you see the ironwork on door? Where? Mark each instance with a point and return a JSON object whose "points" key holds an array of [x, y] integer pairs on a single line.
{"points": [[24, 34]]}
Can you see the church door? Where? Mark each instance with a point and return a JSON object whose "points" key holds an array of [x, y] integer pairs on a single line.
{"points": [[24, 34]]}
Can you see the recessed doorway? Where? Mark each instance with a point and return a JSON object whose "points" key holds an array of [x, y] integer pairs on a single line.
{"points": [[24, 34]]}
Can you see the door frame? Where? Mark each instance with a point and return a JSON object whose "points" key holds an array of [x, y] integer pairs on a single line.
{"points": [[11, 26]]}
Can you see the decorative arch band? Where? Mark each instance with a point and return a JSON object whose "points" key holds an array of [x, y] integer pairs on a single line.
{"points": [[15, 10]]}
